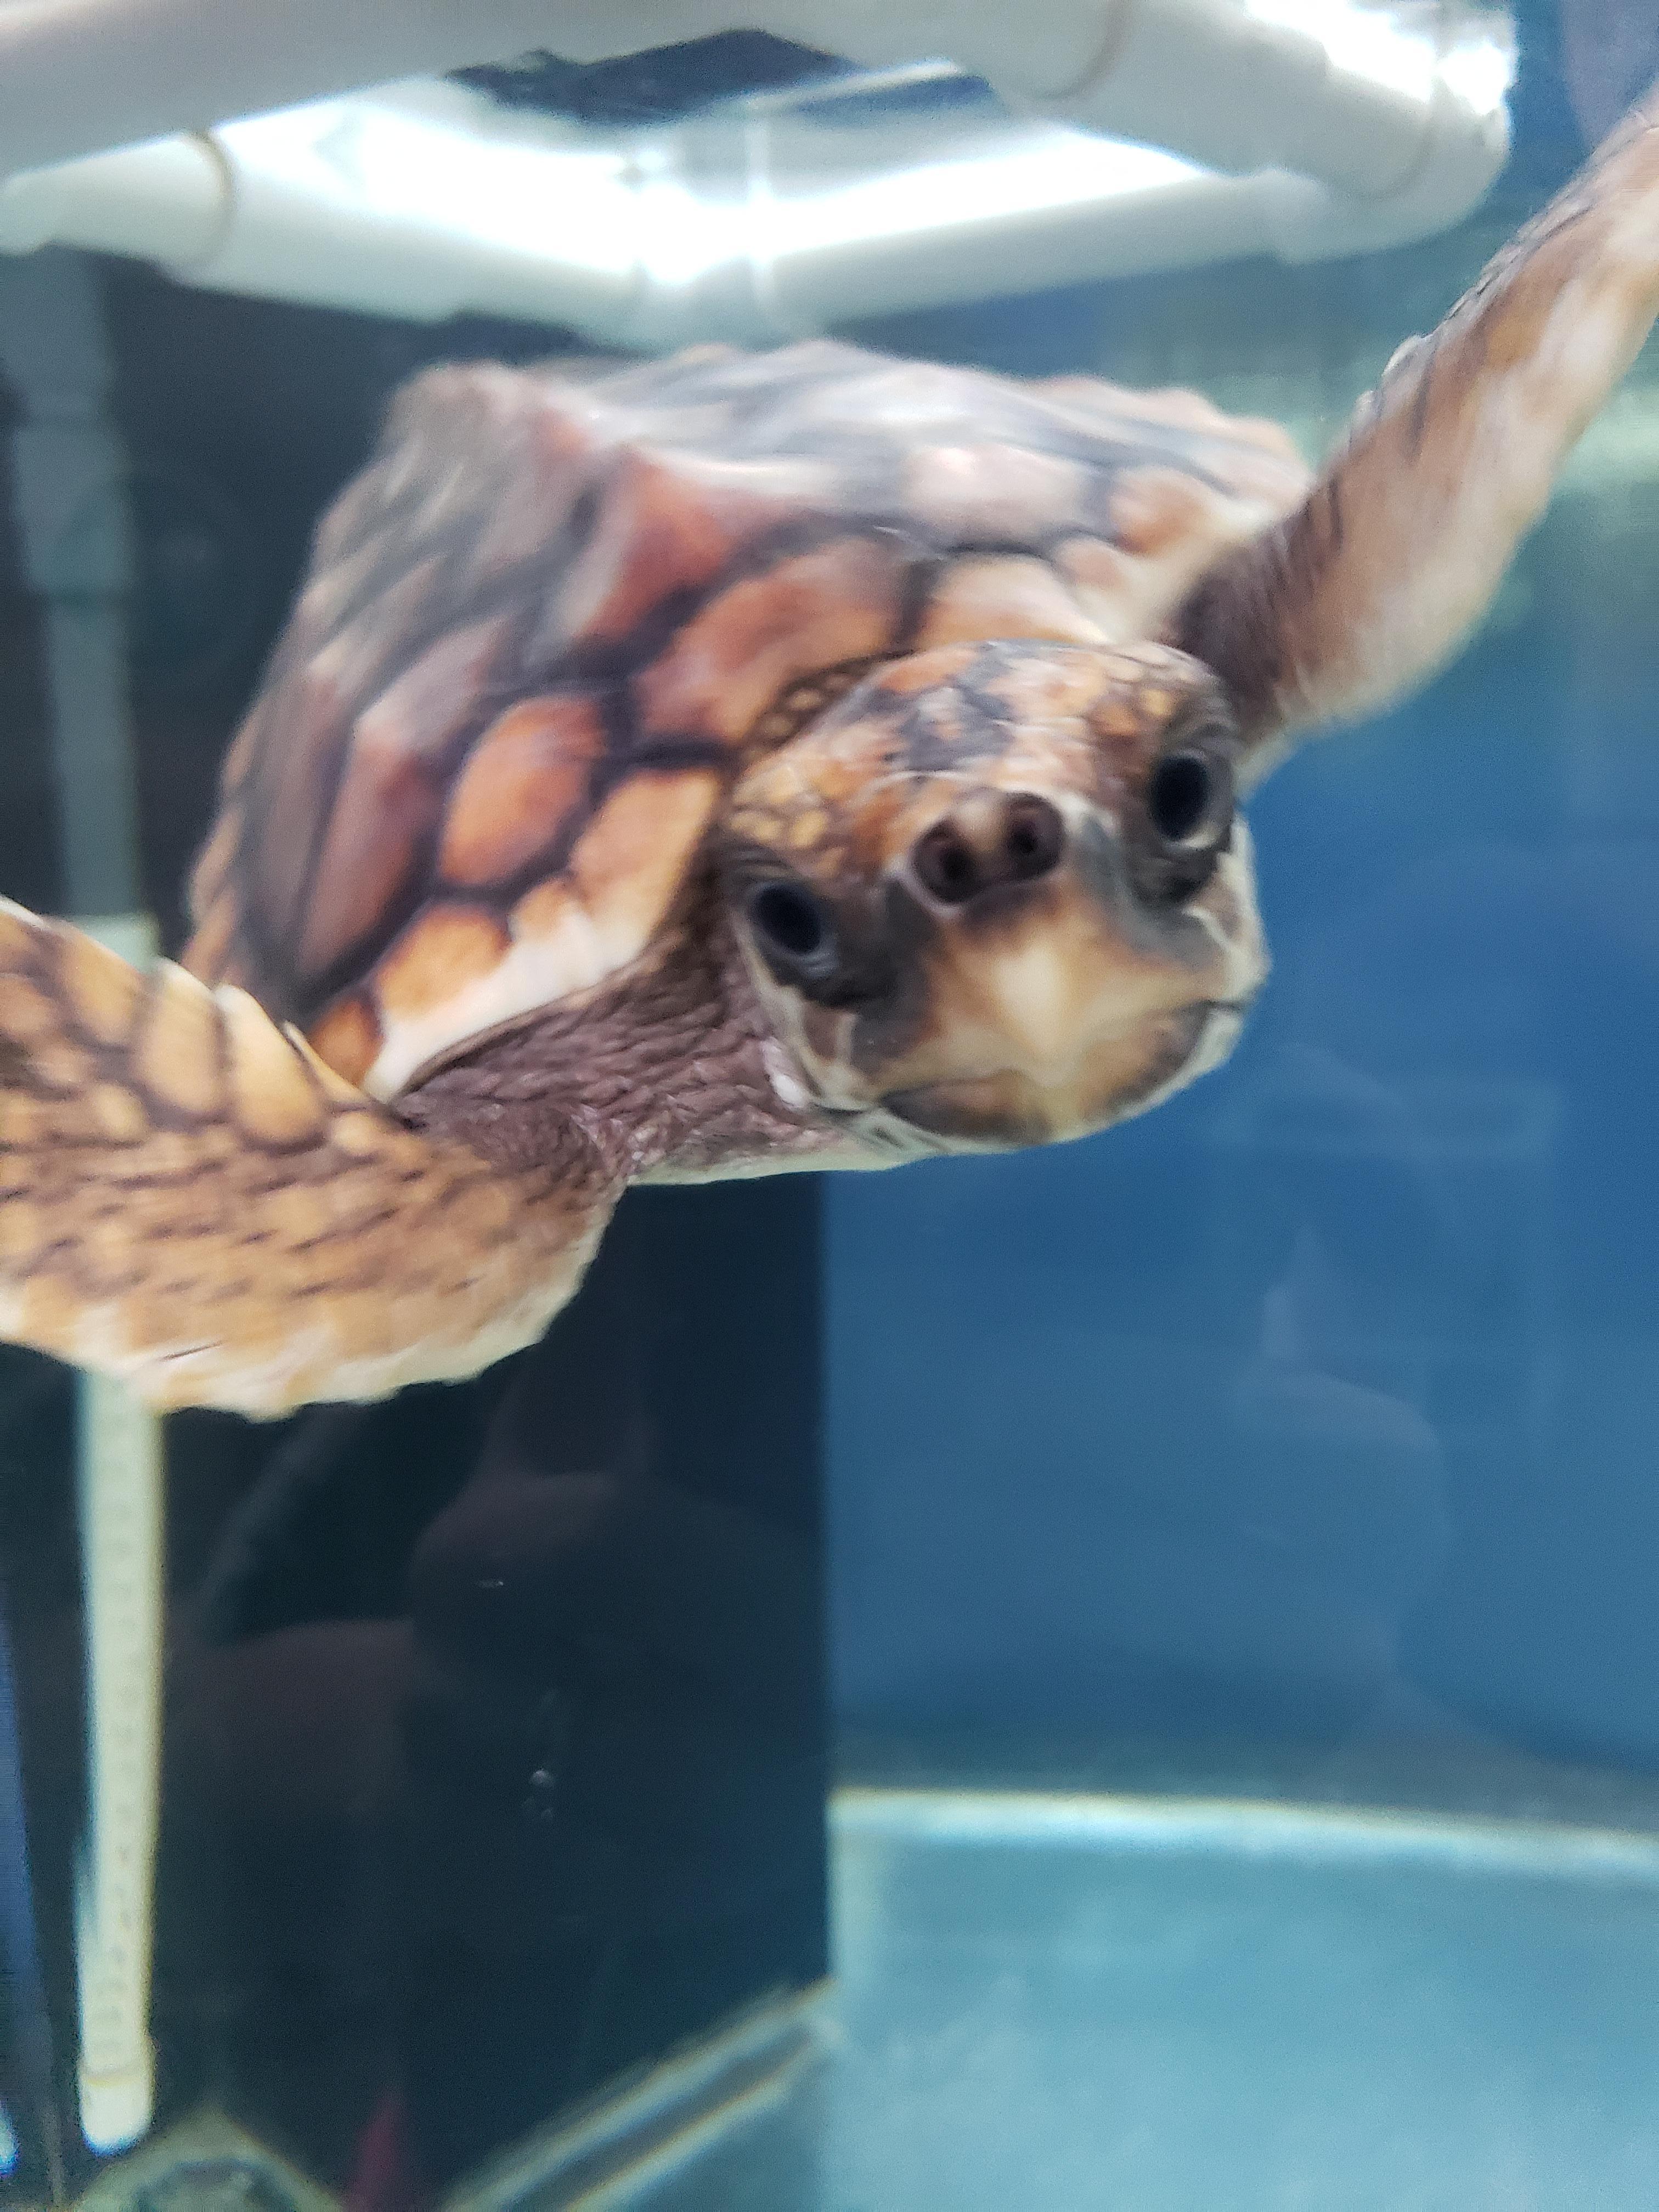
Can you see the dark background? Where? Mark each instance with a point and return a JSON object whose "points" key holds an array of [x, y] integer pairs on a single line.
{"points": [[495, 1742]]}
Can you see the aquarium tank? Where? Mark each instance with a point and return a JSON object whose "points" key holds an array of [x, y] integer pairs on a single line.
{"points": [[1122, 1672]]}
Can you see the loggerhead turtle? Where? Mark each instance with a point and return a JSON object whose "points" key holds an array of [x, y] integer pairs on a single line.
{"points": [[735, 764]]}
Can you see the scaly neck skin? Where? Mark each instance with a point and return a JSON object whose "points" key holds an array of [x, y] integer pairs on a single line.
{"points": [[668, 1075]]}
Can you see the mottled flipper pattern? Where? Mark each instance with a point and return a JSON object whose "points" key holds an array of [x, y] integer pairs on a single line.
{"points": [[1399, 546], [191, 1200]]}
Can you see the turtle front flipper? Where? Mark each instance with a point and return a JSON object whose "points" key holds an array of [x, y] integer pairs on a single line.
{"points": [[1401, 543], [191, 1200]]}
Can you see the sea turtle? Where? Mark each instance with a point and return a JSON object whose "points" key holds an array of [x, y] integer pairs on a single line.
{"points": [[732, 764]]}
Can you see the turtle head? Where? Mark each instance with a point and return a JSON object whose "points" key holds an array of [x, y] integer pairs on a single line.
{"points": [[999, 894]]}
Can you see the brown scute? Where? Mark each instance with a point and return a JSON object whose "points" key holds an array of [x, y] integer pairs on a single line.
{"points": [[210, 879], [347, 1036], [303, 731], [180, 1045], [389, 797], [662, 530], [630, 861], [1154, 508], [522, 780], [1097, 572], [389, 805], [332, 593], [442, 951], [1002, 595], [303, 722], [435, 697], [272, 1096], [553, 910], [990, 490], [624, 874], [727, 665], [102, 991], [560, 451]]}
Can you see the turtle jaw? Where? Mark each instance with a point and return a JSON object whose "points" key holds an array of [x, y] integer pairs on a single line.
{"points": [[1093, 1010], [1122, 1075]]}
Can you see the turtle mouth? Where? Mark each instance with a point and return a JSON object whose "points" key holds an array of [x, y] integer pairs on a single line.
{"points": [[1121, 1073]]}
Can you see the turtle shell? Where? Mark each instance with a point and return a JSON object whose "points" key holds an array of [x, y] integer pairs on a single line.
{"points": [[555, 618]]}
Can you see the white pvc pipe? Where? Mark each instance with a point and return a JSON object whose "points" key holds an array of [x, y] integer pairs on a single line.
{"points": [[119, 1452], [1228, 83], [77, 76], [766, 221], [1233, 84], [67, 469], [121, 1465]]}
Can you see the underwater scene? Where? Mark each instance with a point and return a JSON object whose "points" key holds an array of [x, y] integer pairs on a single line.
{"points": [[556, 1650]]}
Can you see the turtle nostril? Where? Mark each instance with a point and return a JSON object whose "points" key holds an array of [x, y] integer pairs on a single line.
{"points": [[988, 841], [946, 865], [1032, 838], [1179, 795]]}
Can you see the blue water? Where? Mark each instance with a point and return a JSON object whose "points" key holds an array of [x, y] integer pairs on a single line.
{"points": [[1323, 1403]]}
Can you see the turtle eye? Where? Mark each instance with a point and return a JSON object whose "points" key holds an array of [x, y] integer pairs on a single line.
{"points": [[790, 926], [1181, 796], [1185, 821]]}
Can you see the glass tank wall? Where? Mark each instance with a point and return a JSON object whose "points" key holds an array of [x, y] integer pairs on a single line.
{"points": [[1300, 1434], [1216, 1560]]}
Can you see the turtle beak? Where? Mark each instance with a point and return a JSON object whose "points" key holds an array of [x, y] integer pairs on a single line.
{"points": [[1053, 987]]}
